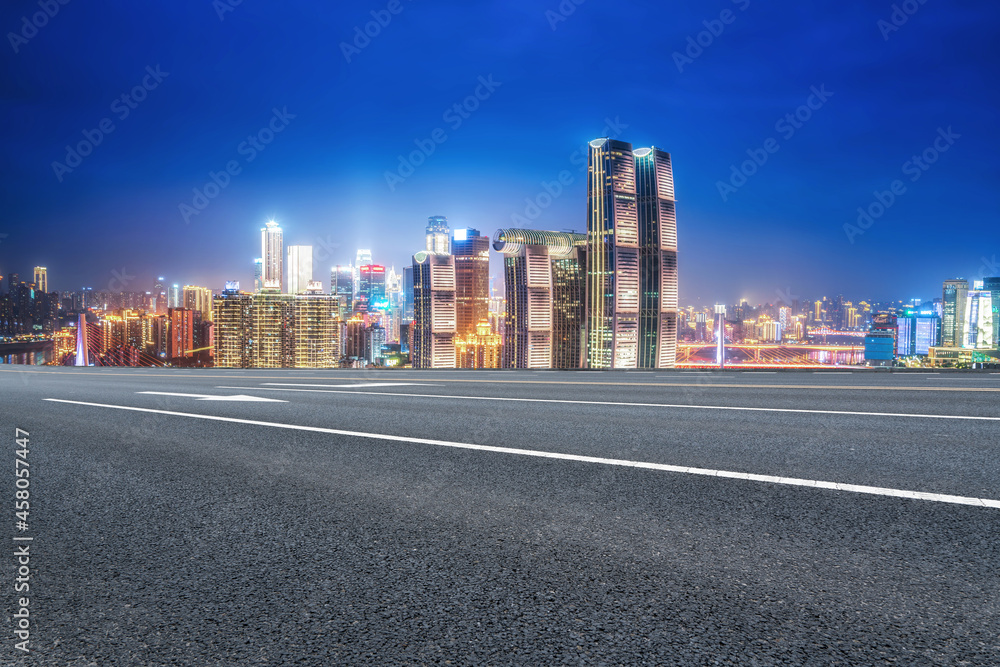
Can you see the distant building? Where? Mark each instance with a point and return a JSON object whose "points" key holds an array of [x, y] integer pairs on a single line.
{"points": [[180, 333], [953, 306], [481, 349], [174, 297], [917, 333], [258, 274], [980, 330], [233, 321], [198, 299], [272, 252], [372, 282], [300, 268], [41, 279], [342, 287], [438, 238]]}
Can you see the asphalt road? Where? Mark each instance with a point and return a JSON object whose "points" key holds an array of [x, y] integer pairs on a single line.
{"points": [[533, 518]]}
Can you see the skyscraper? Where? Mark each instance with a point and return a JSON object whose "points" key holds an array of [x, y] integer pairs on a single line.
{"points": [[258, 274], [372, 284], [300, 268], [544, 281], [472, 279], [612, 256], [198, 299], [272, 252], [657, 259], [979, 312], [233, 322], [434, 321], [342, 287], [41, 279], [438, 236], [180, 340], [953, 312]]}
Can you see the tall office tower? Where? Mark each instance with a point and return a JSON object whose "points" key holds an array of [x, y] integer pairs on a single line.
{"points": [[372, 286], [361, 258], [438, 235], [979, 314], [82, 342], [300, 268], [180, 335], [258, 274], [472, 279], [407, 294], [199, 299], [342, 286], [953, 313], [375, 338], [992, 285], [174, 299], [233, 323], [41, 279], [654, 180], [545, 277], [272, 252], [434, 321], [315, 334], [612, 257]]}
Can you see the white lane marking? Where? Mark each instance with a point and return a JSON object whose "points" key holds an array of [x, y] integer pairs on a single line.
{"points": [[771, 479], [353, 386], [965, 379], [284, 387], [832, 373], [760, 372], [210, 397]]}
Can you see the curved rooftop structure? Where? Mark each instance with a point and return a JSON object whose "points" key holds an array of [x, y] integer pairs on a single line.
{"points": [[510, 241]]}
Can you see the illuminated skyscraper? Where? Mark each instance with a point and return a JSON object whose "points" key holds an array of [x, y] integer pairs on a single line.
{"points": [[434, 321], [342, 286], [372, 287], [979, 323], [544, 279], [612, 256], [953, 313], [300, 268], [657, 259], [41, 279], [472, 279], [315, 331], [438, 235], [272, 252]]}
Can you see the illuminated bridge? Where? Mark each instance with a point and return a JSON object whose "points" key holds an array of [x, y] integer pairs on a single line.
{"points": [[771, 354]]}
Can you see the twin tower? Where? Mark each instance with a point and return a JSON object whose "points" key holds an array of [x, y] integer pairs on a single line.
{"points": [[606, 299]]}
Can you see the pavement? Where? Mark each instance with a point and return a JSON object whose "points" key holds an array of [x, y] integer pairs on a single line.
{"points": [[280, 517]]}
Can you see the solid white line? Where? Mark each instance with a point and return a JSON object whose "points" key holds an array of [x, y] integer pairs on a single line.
{"points": [[770, 479], [274, 386]]}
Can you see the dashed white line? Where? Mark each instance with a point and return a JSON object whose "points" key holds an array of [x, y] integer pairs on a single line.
{"points": [[769, 479]]}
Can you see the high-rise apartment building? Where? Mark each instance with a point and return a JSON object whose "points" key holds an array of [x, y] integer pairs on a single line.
{"points": [[953, 313], [315, 331], [180, 333], [472, 279], [438, 235], [272, 252], [41, 279], [658, 285], [198, 299], [300, 268], [174, 297], [544, 277], [434, 321]]}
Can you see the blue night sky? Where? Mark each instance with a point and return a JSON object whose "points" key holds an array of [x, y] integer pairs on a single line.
{"points": [[558, 81]]}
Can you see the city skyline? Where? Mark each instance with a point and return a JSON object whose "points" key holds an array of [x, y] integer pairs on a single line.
{"points": [[774, 156]]}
